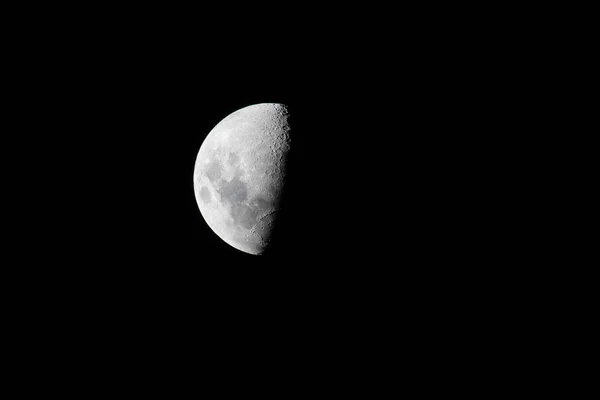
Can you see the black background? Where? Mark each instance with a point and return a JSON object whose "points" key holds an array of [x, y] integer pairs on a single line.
{"points": [[395, 202], [382, 179]]}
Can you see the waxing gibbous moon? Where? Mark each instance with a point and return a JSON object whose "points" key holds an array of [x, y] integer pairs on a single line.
{"points": [[240, 173]]}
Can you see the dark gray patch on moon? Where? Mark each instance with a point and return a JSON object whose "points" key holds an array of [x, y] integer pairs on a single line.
{"points": [[233, 159], [205, 194], [214, 171], [262, 205], [234, 190], [235, 193], [244, 215]]}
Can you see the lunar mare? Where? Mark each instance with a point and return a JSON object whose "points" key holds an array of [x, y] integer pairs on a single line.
{"points": [[239, 175]]}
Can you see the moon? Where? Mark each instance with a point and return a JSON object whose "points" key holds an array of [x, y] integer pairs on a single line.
{"points": [[240, 172]]}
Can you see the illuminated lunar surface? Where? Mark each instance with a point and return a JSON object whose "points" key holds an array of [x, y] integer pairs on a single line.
{"points": [[240, 173]]}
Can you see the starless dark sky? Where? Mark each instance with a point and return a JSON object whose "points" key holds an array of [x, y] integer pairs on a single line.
{"points": [[398, 224], [372, 133], [385, 175]]}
